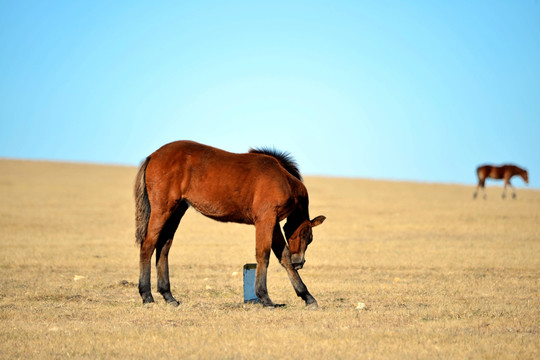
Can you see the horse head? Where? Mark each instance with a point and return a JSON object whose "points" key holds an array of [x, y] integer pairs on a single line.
{"points": [[525, 176], [300, 239]]}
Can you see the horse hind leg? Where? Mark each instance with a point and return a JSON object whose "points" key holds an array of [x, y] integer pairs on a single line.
{"points": [[481, 185], [280, 249], [146, 251], [159, 220], [476, 192], [162, 253]]}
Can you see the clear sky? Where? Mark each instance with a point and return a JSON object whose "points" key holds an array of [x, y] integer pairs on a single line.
{"points": [[401, 90]]}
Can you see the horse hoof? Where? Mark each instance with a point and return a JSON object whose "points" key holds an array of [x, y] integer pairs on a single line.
{"points": [[174, 303], [271, 305], [147, 300], [312, 306], [169, 299], [274, 306]]}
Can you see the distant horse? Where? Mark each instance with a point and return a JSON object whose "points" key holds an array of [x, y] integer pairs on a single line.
{"points": [[262, 188], [499, 172]]}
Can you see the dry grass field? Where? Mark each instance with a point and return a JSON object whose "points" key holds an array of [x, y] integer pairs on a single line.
{"points": [[442, 275]]}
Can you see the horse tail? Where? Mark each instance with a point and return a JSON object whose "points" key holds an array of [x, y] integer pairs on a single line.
{"points": [[142, 204]]}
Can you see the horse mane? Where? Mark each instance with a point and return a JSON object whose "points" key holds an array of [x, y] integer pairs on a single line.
{"points": [[284, 158]]}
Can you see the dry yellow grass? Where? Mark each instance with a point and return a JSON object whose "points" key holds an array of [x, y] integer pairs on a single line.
{"points": [[441, 275]]}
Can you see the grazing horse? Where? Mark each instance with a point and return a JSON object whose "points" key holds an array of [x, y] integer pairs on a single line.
{"points": [[261, 187], [499, 172]]}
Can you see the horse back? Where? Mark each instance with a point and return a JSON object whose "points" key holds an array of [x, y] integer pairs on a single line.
{"points": [[221, 185], [498, 172]]}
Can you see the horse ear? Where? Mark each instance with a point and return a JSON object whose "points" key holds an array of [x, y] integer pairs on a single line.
{"points": [[318, 220]]}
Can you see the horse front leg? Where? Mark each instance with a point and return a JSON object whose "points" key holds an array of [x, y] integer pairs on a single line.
{"points": [[281, 250], [504, 188], [263, 233], [513, 190]]}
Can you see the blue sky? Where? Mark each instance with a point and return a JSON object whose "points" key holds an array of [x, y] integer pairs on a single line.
{"points": [[401, 90]]}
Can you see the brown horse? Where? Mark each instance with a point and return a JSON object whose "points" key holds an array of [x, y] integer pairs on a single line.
{"points": [[499, 172], [262, 187]]}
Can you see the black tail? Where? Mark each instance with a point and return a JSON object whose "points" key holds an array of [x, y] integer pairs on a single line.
{"points": [[142, 204]]}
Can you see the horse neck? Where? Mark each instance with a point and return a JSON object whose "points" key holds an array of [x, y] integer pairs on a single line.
{"points": [[295, 219], [301, 212]]}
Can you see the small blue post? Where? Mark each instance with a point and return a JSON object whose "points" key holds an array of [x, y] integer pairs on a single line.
{"points": [[249, 284]]}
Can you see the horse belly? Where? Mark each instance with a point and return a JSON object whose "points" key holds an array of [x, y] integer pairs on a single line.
{"points": [[221, 208], [496, 173]]}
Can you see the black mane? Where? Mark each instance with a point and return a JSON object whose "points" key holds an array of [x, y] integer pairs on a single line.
{"points": [[284, 158]]}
